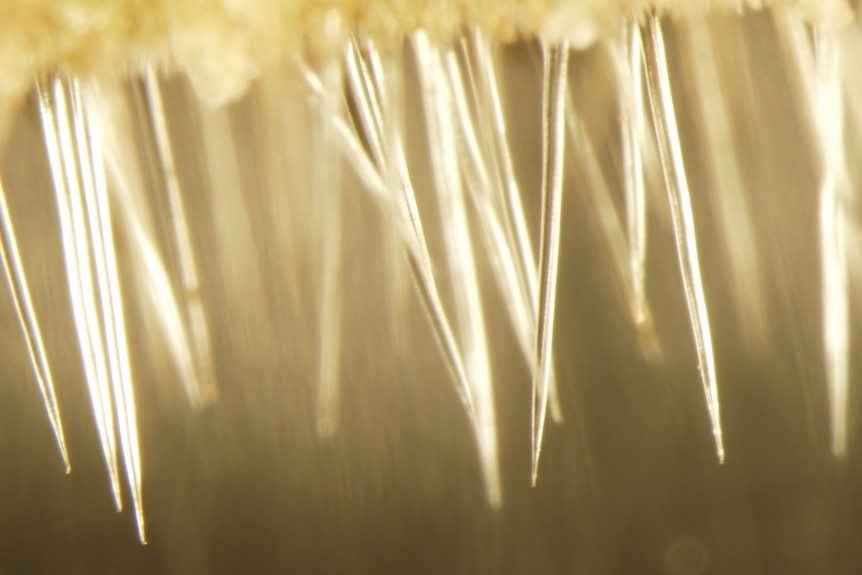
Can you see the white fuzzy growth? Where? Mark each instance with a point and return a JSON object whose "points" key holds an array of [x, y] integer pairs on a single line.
{"points": [[223, 44]]}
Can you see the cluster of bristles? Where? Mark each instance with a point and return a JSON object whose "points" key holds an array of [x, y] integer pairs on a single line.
{"points": [[352, 81]]}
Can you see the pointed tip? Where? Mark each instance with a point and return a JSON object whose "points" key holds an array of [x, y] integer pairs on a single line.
{"points": [[534, 466], [648, 342], [138, 505], [556, 412], [554, 405], [118, 498], [491, 474], [495, 497], [64, 454], [59, 435], [142, 533]]}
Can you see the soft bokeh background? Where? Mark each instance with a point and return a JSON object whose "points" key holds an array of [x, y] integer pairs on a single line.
{"points": [[629, 482]]}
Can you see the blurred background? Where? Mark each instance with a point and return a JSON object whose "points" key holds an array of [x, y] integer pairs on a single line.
{"points": [[629, 482]]}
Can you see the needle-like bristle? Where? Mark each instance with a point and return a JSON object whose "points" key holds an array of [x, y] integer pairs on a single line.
{"points": [[14, 272], [670, 150], [555, 62]]}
